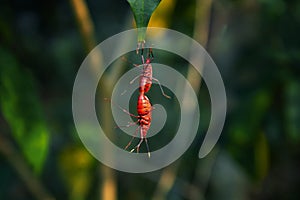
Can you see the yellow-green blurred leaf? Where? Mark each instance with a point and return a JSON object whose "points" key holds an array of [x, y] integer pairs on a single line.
{"points": [[76, 164], [261, 156], [22, 110], [245, 131], [245, 127]]}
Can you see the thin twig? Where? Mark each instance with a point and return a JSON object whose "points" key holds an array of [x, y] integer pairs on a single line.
{"points": [[201, 32], [86, 28], [166, 182], [85, 24], [33, 184]]}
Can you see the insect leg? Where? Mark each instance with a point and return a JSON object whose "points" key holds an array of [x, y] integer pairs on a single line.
{"points": [[137, 147], [139, 144], [150, 53], [134, 135], [161, 88], [146, 141], [134, 79]]}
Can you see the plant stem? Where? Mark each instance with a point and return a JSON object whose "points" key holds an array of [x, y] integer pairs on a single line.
{"points": [[33, 184], [86, 28]]}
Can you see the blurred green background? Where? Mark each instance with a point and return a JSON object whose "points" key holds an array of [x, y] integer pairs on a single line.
{"points": [[256, 46]]}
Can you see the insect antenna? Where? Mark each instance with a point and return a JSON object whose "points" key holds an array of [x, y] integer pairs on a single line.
{"points": [[124, 110], [128, 125], [130, 62]]}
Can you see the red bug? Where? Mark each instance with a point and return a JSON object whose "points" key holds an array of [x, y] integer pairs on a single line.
{"points": [[144, 109], [146, 76]]}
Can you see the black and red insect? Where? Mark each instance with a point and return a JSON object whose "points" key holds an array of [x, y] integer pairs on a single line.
{"points": [[144, 107], [146, 76], [144, 110]]}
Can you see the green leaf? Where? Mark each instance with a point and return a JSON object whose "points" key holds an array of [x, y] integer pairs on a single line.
{"points": [[245, 127], [21, 109], [292, 111], [142, 11], [245, 131]]}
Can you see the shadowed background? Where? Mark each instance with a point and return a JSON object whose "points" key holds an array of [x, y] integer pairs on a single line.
{"points": [[256, 47]]}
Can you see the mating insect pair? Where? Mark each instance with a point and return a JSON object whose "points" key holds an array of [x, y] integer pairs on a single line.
{"points": [[144, 107]]}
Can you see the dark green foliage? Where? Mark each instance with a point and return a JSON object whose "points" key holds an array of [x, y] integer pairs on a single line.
{"points": [[142, 11]]}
